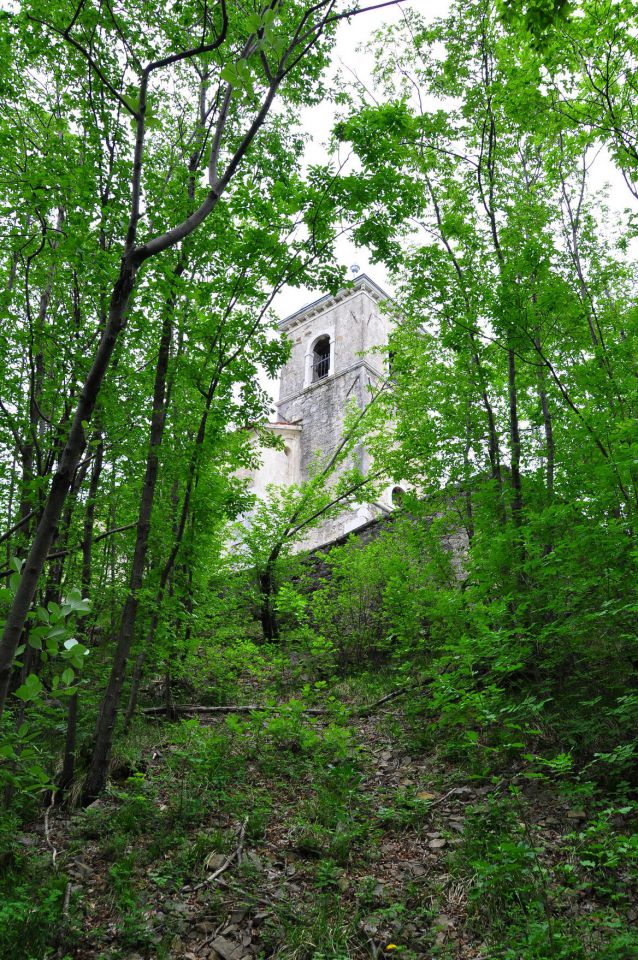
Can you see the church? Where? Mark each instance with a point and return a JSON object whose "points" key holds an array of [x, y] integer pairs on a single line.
{"points": [[335, 358]]}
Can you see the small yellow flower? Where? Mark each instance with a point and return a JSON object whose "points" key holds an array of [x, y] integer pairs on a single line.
{"points": [[392, 946]]}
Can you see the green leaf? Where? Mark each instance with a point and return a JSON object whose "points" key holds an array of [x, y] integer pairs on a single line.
{"points": [[38, 773], [68, 676], [42, 614], [75, 602], [229, 74], [55, 611], [30, 689]]}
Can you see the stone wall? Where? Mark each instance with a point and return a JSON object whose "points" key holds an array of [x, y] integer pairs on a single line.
{"points": [[278, 466], [455, 542]]}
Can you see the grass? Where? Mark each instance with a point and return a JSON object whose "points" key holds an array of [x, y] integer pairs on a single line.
{"points": [[323, 842]]}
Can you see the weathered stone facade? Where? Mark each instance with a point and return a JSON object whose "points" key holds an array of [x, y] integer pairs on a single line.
{"points": [[336, 357]]}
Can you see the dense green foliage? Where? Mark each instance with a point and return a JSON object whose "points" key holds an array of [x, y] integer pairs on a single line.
{"points": [[155, 197]]}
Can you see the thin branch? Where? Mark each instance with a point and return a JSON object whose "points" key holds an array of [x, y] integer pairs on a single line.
{"points": [[361, 711], [89, 59], [235, 855], [194, 51], [17, 526], [63, 553]]}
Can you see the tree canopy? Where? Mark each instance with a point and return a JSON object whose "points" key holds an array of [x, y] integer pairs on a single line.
{"points": [[158, 194]]}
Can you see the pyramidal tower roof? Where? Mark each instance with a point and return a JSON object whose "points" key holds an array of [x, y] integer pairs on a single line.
{"points": [[317, 307]]}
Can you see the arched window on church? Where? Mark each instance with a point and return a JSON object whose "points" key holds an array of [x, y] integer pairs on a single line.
{"points": [[397, 495], [321, 359]]}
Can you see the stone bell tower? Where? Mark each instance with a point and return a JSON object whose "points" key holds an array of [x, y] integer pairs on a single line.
{"points": [[335, 359]]}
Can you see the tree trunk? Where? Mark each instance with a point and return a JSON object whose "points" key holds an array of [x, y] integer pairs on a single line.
{"points": [[172, 557], [171, 713], [70, 742], [467, 492], [515, 440], [89, 518], [63, 478], [268, 617], [550, 457], [138, 673], [103, 736], [68, 763]]}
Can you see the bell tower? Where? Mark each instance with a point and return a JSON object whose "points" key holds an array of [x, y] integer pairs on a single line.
{"points": [[335, 359]]}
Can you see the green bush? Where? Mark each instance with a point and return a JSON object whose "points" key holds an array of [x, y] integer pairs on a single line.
{"points": [[31, 901]]}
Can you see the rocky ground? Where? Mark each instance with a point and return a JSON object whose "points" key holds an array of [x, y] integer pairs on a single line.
{"points": [[360, 856]]}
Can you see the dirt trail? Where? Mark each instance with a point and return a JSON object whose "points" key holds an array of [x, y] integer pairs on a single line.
{"points": [[373, 880], [405, 864], [258, 890]]}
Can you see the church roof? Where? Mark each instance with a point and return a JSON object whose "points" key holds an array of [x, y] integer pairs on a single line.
{"points": [[361, 282]]}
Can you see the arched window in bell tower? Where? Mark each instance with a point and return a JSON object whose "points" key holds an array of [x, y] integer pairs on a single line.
{"points": [[397, 496], [321, 359]]}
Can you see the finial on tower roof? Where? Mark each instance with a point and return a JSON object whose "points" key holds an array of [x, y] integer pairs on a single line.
{"points": [[355, 269]]}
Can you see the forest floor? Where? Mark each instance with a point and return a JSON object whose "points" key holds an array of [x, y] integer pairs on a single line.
{"points": [[314, 838]]}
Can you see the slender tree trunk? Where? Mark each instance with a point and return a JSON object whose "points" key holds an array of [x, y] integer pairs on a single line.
{"points": [[68, 762], [171, 713], [103, 737], [70, 744], [138, 671], [172, 557], [188, 607], [269, 624], [467, 493], [89, 518], [493, 450], [515, 440], [61, 542], [136, 680], [27, 503], [112, 575], [550, 449], [63, 478], [492, 434], [12, 489]]}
